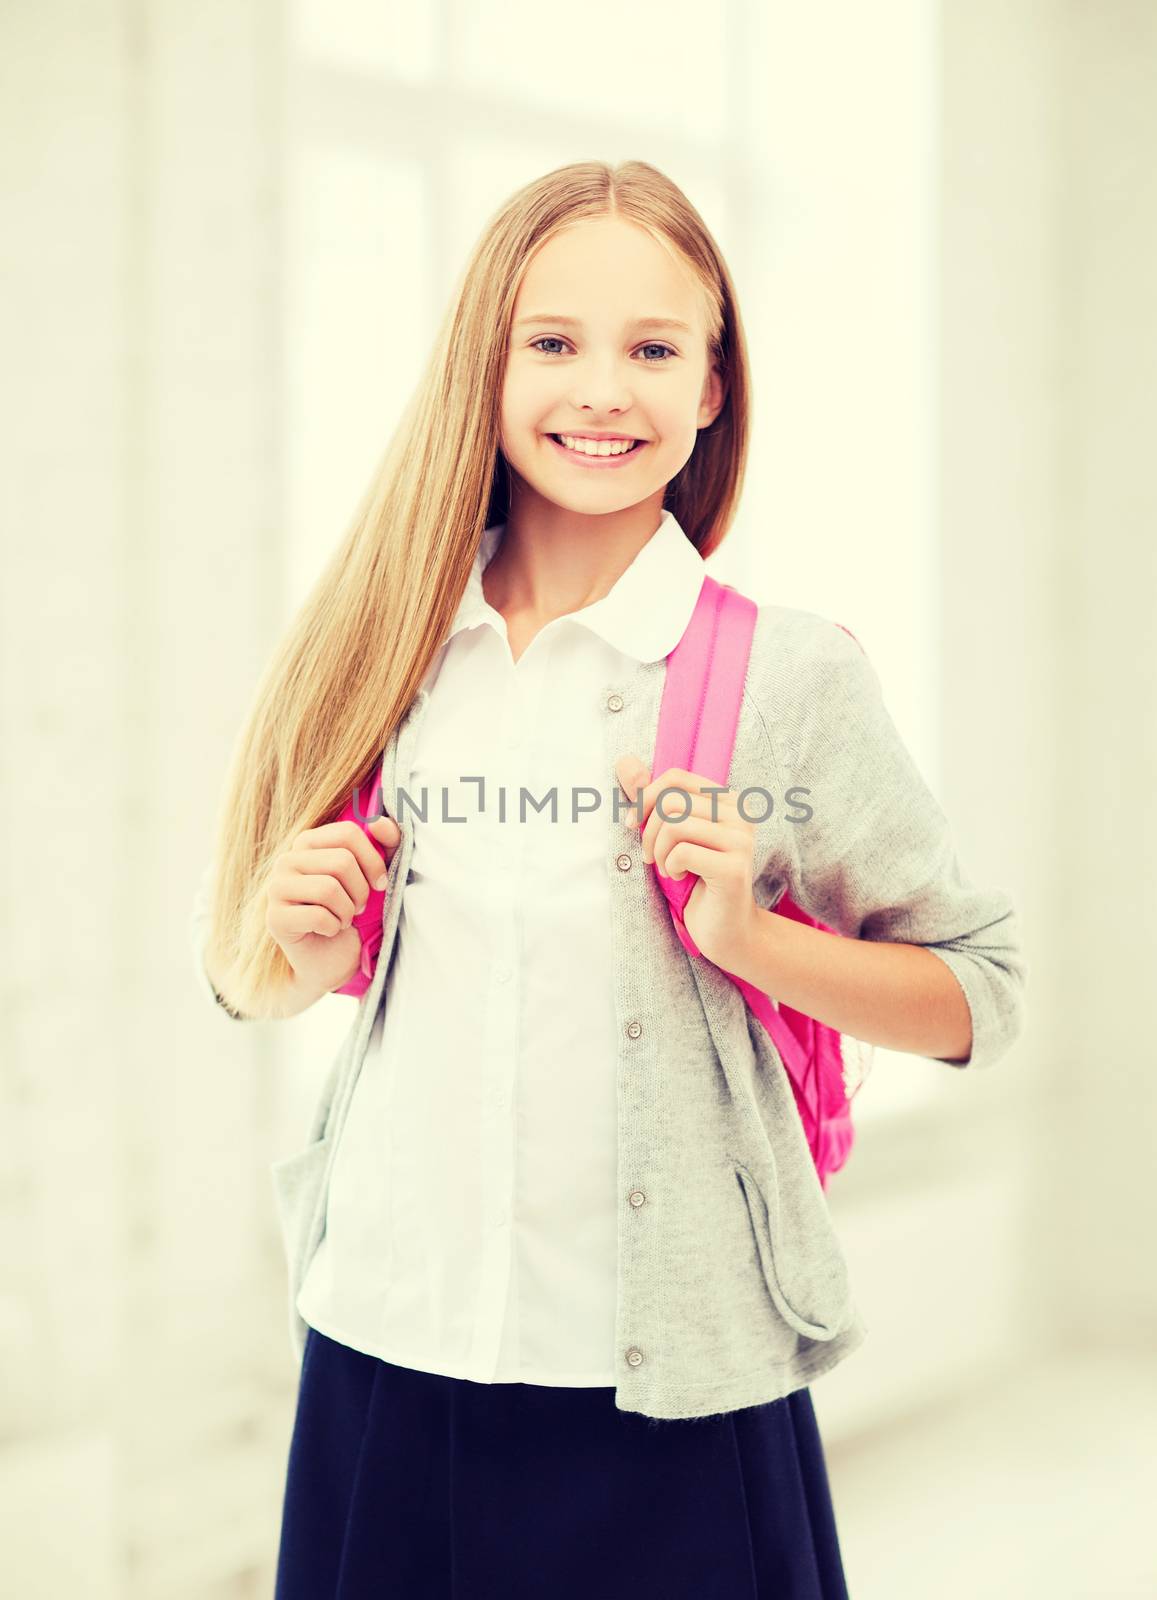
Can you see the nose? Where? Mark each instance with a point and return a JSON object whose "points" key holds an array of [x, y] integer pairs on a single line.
{"points": [[601, 389]]}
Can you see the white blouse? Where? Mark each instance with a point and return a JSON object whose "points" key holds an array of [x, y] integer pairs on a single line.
{"points": [[471, 1229]]}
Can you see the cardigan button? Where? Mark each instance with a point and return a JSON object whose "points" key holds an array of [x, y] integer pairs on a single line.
{"points": [[623, 862], [615, 702], [636, 1197], [634, 1356], [634, 1029]]}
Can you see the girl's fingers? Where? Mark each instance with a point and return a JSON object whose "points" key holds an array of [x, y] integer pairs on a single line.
{"points": [[690, 783], [332, 878], [350, 838], [688, 857], [290, 922], [696, 830], [675, 805], [321, 881], [325, 880], [388, 835]]}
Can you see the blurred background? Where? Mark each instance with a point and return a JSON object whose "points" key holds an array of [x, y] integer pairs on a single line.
{"points": [[229, 231]]}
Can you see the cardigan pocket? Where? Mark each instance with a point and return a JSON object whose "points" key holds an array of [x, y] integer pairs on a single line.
{"points": [[297, 1180], [816, 1301]]}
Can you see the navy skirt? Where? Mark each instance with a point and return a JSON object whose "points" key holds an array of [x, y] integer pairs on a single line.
{"points": [[423, 1487]]}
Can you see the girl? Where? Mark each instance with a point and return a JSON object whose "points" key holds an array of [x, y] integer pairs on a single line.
{"points": [[561, 1268]]}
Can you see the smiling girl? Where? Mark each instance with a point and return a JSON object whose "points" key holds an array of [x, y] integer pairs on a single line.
{"points": [[552, 1345]]}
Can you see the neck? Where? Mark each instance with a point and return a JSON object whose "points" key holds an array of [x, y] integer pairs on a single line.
{"points": [[551, 561]]}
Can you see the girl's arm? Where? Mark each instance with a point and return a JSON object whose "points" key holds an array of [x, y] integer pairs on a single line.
{"points": [[877, 861], [898, 996], [296, 998]]}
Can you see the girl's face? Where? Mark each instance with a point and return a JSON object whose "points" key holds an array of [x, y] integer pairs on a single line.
{"points": [[607, 337]]}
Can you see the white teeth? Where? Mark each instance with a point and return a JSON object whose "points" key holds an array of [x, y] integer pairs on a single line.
{"points": [[597, 447]]}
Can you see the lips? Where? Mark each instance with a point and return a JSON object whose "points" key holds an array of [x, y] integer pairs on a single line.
{"points": [[597, 463]]}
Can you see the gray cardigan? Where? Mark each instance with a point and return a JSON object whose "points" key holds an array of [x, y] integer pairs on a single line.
{"points": [[732, 1284]]}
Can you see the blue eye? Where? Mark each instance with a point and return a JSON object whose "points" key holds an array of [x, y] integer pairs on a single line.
{"points": [[552, 338]]}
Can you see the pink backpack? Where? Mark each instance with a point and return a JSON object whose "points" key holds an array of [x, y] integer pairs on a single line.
{"points": [[698, 718]]}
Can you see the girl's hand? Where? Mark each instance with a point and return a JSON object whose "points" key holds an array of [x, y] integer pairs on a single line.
{"points": [[721, 913], [316, 889]]}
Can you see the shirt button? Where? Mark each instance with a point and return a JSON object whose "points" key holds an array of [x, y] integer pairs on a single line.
{"points": [[636, 1197], [502, 975], [615, 702], [634, 1356], [623, 863], [634, 1029], [500, 1219]]}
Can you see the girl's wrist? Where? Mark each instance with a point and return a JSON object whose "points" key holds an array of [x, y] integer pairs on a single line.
{"points": [[755, 947]]}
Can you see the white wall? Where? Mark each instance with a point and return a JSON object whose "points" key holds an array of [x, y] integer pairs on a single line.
{"points": [[1103, 639], [146, 1383]]}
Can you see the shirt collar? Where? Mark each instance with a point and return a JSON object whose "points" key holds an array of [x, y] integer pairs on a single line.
{"points": [[646, 611]]}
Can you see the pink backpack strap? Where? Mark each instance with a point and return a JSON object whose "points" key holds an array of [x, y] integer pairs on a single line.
{"points": [[698, 720], [363, 808], [702, 694], [706, 671]]}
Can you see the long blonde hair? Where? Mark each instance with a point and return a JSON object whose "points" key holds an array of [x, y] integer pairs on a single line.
{"points": [[354, 657]]}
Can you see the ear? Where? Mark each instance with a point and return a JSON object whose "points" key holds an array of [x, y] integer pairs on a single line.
{"points": [[713, 397]]}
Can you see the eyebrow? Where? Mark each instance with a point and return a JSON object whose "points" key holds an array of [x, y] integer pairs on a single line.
{"points": [[576, 322]]}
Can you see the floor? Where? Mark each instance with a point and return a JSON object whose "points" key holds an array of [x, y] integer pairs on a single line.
{"points": [[1044, 1490]]}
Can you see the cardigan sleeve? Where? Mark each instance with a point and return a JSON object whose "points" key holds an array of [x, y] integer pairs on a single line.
{"points": [[877, 858], [198, 937]]}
